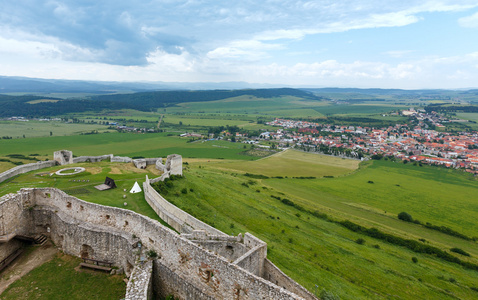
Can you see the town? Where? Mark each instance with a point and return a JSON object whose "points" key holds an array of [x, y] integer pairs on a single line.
{"points": [[419, 144]]}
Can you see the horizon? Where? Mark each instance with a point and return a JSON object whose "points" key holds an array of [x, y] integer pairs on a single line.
{"points": [[350, 44]]}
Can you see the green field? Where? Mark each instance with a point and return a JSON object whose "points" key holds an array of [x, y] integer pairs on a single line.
{"points": [[468, 116], [16, 129], [125, 144], [314, 251], [251, 105], [294, 163], [58, 279], [358, 109]]}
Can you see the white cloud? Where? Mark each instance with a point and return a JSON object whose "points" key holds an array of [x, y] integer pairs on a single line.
{"points": [[243, 50], [398, 53], [469, 21]]}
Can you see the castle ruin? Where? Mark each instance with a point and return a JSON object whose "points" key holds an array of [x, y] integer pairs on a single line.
{"points": [[196, 262]]}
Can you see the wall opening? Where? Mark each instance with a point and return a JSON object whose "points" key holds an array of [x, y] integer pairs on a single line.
{"points": [[86, 251]]}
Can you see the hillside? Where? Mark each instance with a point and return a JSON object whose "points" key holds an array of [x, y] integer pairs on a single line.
{"points": [[145, 101]]}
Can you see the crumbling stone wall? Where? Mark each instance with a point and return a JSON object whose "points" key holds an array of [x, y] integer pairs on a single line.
{"points": [[140, 284], [175, 217], [111, 230], [99, 158], [173, 165], [25, 168], [63, 157]]}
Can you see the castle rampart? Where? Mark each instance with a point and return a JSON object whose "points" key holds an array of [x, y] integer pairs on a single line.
{"points": [[201, 263], [25, 168], [85, 229]]}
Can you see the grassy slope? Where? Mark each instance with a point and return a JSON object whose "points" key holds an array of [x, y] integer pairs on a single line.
{"points": [[58, 279], [304, 164], [314, 251]]}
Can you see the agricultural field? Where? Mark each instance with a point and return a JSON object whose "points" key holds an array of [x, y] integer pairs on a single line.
{"points": [[249, 105], [304, 164], [31, 129], [125, 144], [468, 116]]}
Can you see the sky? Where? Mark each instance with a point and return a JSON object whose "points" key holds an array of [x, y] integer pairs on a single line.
{"points": [[324, 43]]}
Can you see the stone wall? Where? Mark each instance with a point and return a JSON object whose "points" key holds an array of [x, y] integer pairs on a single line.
{"points": [[166, 283], [121, 159], [25, 168], [175, 217], [81, 159], [140, 284], [276, 276], [109, 232], [173, 165], [63, 157]]}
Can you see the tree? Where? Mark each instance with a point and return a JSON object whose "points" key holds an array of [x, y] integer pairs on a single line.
{"points": [[405, 217], [51, 133]]}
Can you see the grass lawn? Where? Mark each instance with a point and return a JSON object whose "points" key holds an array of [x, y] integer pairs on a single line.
{"points": [[58, 279]]}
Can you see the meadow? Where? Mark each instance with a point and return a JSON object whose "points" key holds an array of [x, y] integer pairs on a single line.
{"points": [[315, 251], [30, 129], [124, 144]]}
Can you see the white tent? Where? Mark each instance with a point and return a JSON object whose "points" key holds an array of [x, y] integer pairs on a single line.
{"points": [[135, 189]]}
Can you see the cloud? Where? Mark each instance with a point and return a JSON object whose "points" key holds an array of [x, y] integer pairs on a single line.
{"points": [[398, 53], [216, 40], [469, 21]]}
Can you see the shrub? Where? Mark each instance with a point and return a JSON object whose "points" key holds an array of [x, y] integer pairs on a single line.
{"points": [[152, 254], [360, 241], [459, 251], [405, 217], [414, 259]]}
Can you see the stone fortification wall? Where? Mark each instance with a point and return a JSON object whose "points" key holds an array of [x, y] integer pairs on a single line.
{"points": [[276, 276], [229, 247], [173, 165], [121, 159], [81, 159], [175, 217], [253, 260], [25, 168], [167, 282], [251, 255], [63, 157], [140, 284], [111, 229]]}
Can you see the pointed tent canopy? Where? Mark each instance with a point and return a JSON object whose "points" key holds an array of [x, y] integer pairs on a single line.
{"points": [[135, 189]]}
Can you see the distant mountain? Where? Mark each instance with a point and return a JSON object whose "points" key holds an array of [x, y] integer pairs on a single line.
{"points": [[374, 91], [26, 105], [47, 86]]}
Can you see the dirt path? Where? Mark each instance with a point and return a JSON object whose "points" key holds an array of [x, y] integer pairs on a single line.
{"points": [[25, 263]]}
